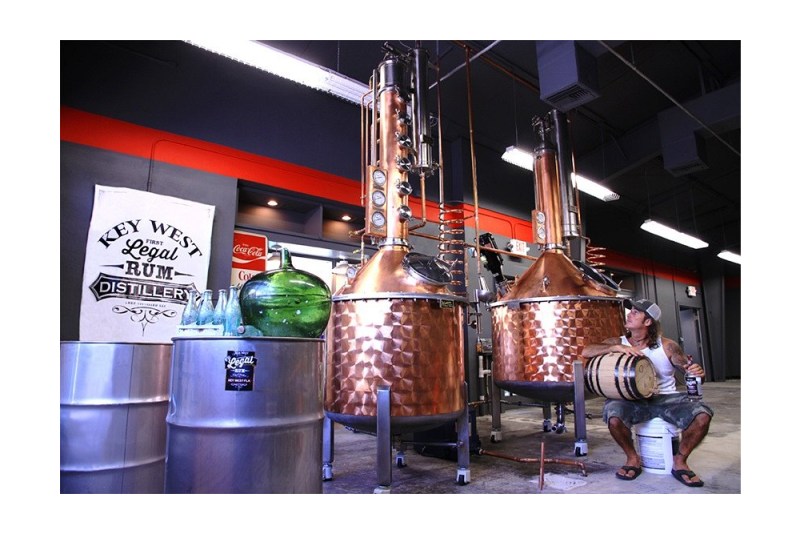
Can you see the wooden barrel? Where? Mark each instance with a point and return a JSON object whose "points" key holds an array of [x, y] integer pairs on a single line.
{"points": [[621, 376]]}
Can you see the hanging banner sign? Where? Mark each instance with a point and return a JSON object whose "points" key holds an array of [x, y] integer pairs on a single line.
{"points": [[144, 253], [249, 256]]}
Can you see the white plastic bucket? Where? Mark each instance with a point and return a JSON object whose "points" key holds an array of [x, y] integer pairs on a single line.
{"points": [[658, 443]]}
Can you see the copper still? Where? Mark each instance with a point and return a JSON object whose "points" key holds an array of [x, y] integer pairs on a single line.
{"points": [[396, 323], [559, 305]]}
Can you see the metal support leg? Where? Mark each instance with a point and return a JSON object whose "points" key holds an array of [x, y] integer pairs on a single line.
{"points": [[400, 457], [384, 432], [581, 446], [462, 446], [497, 434], [560, 418], [547, 424], [327, 449]]}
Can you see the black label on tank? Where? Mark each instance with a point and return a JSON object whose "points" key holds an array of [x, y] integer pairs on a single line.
{"points": [[240, 367]]}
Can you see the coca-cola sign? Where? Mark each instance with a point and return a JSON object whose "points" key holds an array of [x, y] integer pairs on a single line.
{"points": [[249, 256], [247, 252]]}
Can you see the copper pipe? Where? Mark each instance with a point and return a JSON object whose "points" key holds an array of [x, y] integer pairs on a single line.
{"points": [[509, 253], [535, 460], [421, 234], [472, 152], [362, 118], [504, 70], [424, 219]]}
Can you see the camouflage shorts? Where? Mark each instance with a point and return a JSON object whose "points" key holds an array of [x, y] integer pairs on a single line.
{"points": [[674, 408]]}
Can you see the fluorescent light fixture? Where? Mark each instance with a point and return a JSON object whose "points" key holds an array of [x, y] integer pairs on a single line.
{"points": [[593, 188], [673, 235], [524, 159], [730, 256], [287, 66], [520, 158]]}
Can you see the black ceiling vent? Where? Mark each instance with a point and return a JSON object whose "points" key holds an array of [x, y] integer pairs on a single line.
{"points": [[683, 150], [567, 74]]}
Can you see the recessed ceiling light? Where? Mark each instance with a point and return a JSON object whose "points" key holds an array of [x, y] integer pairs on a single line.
{"points": [[346, 217], [272, 203]]}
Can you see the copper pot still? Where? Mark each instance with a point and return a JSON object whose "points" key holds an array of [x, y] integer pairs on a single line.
{"points": [[395, 323], [559, 305]]}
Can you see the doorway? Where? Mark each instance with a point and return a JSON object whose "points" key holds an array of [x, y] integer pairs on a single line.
{"points": [[691, 336]]}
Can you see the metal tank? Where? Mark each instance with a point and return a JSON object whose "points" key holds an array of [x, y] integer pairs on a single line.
{"points": [[396, 324], [114, 399], [559, 305], [245, 415]]}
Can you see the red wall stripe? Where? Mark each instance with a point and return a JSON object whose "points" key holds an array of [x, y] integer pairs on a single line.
{"points": [[97, 131]]}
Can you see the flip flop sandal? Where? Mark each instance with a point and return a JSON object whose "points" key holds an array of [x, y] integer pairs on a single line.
{"points": [[636, 472], [678, 474]]}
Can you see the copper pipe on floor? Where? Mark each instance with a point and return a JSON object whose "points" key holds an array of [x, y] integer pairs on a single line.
{"points": [[541, 461]]}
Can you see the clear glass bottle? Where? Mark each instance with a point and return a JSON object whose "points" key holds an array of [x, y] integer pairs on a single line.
{"points": [[219, 309], [190, 310], [233, 313], [205, 313]]}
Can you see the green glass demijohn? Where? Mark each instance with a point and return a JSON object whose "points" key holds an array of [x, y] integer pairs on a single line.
{"points": [[286, 302]]}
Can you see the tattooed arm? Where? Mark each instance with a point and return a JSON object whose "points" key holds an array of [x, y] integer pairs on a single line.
{"points": [[609, 345], [680, 360]]}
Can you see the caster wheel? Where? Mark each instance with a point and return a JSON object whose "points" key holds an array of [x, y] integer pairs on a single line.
{"points": [[400, 462], [560, 429], [493, 439], [462, 481], [327, 473], [547, 426]]}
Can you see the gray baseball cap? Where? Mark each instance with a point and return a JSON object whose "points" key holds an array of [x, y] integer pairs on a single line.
{"points": [[649, 307]]}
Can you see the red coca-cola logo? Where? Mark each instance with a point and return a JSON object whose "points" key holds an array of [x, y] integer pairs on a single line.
{"points": [[247, 251]]}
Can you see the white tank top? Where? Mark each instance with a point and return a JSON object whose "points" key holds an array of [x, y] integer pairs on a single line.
{"points": [[665, 373]]}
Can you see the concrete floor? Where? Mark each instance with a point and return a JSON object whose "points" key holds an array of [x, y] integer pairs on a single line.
{"points": [[717, 460]]}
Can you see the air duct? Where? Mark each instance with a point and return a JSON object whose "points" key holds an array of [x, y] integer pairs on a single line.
{"points": [[567, 74]]}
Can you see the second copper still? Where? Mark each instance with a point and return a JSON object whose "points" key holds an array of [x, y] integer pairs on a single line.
{"points": [[395, 323], [559, 305]]}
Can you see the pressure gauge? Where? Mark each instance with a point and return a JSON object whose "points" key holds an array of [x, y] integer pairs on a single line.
{"points": [[378, 198], [378, 219], [379, 177]]}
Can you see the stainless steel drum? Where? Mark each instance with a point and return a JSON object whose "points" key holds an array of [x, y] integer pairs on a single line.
{"points": [[114, 399], [245, 416]]}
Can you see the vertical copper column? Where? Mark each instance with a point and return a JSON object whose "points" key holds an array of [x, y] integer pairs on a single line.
{"points": [[548, 195], [394, 158]]}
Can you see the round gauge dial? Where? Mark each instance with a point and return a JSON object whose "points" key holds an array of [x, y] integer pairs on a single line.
{"points": [[427, 268], [379, 177], [378, 198], [378, 219]]}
